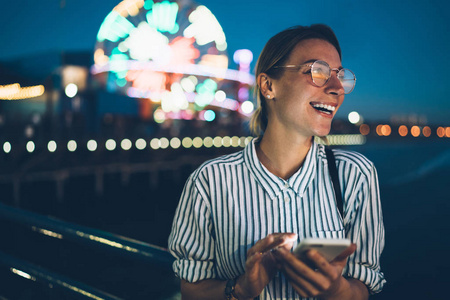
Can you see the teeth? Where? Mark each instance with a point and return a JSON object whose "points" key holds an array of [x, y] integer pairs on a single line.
{"points": [[329, 108]]}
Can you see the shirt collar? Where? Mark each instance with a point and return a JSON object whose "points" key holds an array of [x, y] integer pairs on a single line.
{"points": [[273, 184]]}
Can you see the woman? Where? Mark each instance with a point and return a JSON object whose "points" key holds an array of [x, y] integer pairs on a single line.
{"points": [[240, 215]]}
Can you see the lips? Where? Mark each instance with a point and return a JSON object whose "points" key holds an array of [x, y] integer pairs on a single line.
{"points": [[323, 108]]}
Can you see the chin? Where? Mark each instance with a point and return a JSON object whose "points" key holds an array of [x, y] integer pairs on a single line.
{"points": [[322, 132]]}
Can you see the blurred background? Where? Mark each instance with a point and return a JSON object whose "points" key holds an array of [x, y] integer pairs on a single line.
{"points": [[106, 107]]}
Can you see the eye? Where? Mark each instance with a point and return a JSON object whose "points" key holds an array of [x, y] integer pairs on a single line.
{"points": [[306, 69]]}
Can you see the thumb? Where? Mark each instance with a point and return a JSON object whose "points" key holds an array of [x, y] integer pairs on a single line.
{"points": [[346, 253]]}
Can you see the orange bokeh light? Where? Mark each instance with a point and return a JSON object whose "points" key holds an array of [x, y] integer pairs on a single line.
{"points": [[447, 132], [403, 130], [379, 130], [183, 51], [426, 131], [440, 132], [415, 131], [386, 130], [364, 129]]}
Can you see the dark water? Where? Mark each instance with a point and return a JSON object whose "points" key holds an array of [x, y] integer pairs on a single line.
{"points": [[415, 185], [415, 189]]}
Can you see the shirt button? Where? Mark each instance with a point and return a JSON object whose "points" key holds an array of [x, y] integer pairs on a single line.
{"points": [[286, 199], [286, 185]]}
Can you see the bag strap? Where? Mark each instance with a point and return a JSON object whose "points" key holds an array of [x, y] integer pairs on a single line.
{"points": [[335, 179]]}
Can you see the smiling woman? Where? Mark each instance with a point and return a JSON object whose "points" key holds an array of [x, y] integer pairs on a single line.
{"points": [[240, 215]]}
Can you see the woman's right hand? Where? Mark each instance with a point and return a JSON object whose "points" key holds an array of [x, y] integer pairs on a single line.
{"points": [[261, 265]]}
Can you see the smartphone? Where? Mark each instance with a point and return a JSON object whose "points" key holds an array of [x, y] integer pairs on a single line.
{"points": [[328, 248]]}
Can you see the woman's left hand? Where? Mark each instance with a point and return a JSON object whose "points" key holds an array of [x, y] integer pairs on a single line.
{"points": [[326, 281]]}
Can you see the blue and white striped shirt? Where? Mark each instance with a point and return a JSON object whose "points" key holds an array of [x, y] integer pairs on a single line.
{"points": [[231, 202]]}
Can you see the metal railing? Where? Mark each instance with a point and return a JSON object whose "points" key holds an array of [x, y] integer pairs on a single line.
{"points": [[38, 274], [58, 229]]}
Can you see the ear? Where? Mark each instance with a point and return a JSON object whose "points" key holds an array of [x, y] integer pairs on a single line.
{"points": [[265, 85]]}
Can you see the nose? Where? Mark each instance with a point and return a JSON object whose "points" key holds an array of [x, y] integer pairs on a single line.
{"points": [[334, 85]]}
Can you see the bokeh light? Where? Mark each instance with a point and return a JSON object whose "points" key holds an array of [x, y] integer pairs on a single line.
{"points": [[30, 146], [440, 132], [110, 144], [386, 130], [364, 129], [415, 131], [217, 142], [197, 142], [164, 143], [235, 141], [187, 142], [91, 145], [220, 96], [155, 144], [51, 146], [209, 115], [354, 117], [403, 130], [426, 131], [208, 142], [7, 147], [140, 144], [175, 143], [72, 146], [247, 107], [226, 141], [126, 144], [71, 90]]}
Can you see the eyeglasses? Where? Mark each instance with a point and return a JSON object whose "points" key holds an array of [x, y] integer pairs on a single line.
{"points": [[321, 72]]}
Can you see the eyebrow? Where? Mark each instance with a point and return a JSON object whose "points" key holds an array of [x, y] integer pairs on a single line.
{"points": [[315, 59], [309, 61]]}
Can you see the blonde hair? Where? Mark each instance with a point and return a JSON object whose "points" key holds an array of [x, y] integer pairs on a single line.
{"points": [[276, 52]]}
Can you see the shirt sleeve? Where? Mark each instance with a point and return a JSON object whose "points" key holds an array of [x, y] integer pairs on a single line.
{"points": [[191, 240], [365, 228]]}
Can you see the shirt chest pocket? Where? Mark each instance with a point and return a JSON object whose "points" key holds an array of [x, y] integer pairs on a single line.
{"points": [[329, 234]]}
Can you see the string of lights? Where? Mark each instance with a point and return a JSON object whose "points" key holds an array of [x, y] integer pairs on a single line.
{"points": [[173, 143]]}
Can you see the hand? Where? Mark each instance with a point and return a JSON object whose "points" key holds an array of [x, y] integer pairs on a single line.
{"points": [[325, 281], [261, 264]]}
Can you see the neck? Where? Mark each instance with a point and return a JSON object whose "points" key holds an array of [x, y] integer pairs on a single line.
{"points": [[282, 156]]}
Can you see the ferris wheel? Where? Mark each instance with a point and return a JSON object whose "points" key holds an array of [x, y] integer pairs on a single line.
{"points": [[171, 53]]}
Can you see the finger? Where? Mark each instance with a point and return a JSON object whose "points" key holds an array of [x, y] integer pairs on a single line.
{"points": [[272, 241], [322, 265], [301, 284], [298, 269], [286, 258]]}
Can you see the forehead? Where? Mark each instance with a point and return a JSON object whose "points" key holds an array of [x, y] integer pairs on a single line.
{"points": [[315, 49]]}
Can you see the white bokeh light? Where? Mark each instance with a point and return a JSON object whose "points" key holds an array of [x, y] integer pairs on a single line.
{"points": [[72, 146], [51, 146], [354, 117], [92, 145], [7, 147], [110, 144], [141, 144], [247, 107], [71, 90], [30, 146], [126, 144]]}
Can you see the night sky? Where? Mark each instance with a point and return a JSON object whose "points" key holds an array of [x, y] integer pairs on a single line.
{"points": [[397, 49]]}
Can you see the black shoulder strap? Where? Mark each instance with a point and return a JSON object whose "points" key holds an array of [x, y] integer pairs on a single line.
{"points": [[334, 177]]}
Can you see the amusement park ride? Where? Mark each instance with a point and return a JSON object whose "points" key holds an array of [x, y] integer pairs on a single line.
{"points": [[172, 56]]}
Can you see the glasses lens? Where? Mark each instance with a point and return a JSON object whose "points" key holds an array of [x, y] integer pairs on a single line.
{"points": [[320, 72], [347, 79]]}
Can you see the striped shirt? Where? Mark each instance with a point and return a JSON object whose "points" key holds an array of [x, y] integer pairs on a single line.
{"points": [[231, 202]]}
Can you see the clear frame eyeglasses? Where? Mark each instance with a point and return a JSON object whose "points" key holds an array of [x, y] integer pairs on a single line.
{"points": [[321, 72]]}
